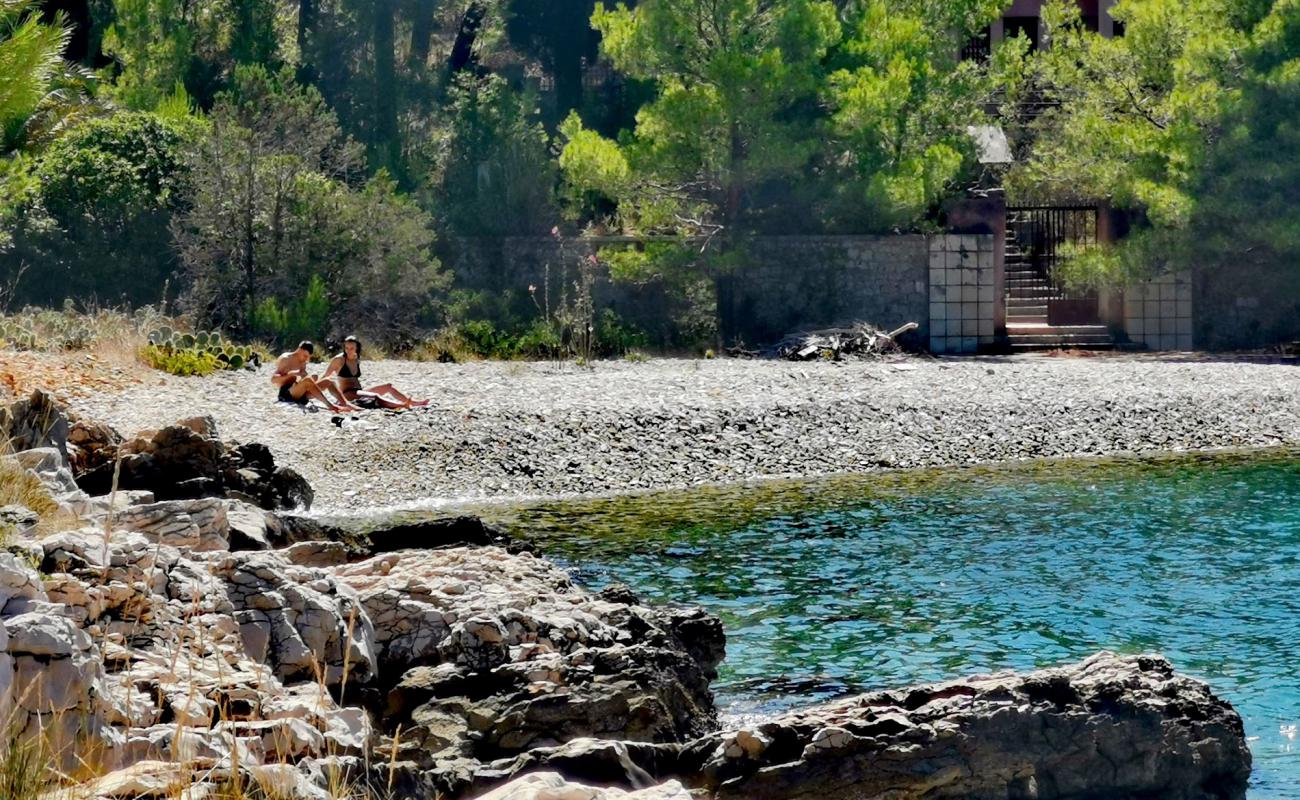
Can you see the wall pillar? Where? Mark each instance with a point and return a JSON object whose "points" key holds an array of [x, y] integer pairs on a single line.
{"points": [[1110, 301], [1105, 24]]}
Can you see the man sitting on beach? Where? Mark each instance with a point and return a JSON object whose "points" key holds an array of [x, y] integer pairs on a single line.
{"points": [[296, 386]]}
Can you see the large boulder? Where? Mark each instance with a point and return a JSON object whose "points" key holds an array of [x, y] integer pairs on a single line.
{"points": [[187, 461], [491, 653], [1111, 726]]}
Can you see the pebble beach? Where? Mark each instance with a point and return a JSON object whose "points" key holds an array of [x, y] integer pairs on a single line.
{"points": [[517, 430]]}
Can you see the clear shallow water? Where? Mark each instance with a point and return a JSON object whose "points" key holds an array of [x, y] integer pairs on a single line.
{"points": [[883, 583]]}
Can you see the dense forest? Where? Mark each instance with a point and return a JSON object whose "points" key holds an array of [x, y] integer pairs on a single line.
{"points": [[292, 167]]}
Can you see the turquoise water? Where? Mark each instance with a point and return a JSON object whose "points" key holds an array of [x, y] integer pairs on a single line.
{"points": [[979, 571]]}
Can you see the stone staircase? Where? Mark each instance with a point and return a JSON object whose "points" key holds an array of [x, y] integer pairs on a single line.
{"points": [[1027, 295]]}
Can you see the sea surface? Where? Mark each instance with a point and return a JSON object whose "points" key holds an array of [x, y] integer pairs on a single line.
{"points": [[860, 583]]}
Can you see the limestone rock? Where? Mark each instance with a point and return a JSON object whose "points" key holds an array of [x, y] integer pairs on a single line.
{"points": [[499, 653], [49, 636], [1110, 726], [36, 422], [553, 786], [249, 526], [91, 445], [18, 520], [47, 463], [298, 619], [186, 461], [199, 525]]}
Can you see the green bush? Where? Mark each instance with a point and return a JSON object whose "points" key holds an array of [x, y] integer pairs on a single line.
{"points": [[98, 220], [184, 362], [307, 318], [614, 337]]}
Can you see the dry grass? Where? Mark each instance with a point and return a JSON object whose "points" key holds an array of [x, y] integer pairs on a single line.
{"points": [[18, 486]]}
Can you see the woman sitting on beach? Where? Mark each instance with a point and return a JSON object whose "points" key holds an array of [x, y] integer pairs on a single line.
{"points": [[347, 365]]}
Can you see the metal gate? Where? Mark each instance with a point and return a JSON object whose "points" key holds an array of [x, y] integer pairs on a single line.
{"points": [[1038, 239]]}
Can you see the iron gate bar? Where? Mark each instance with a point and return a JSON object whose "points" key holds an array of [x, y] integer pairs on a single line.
{"points": [[1050, 227]]}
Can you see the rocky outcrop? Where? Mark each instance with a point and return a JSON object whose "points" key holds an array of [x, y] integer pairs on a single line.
{"points": [[302, 621], [184, 461], [494, 653], [1111, 726]]}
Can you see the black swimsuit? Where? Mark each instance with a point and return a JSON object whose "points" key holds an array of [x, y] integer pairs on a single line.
{"points": [[358, 398], [286, 394]]}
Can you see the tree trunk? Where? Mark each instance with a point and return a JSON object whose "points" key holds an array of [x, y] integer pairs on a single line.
{"points": [[421, 34], [386, 145], [732, 189], [250, 203], [462, 52], [306, 27], [568, 80]]}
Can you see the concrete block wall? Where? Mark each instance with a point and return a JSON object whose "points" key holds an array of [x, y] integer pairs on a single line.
{"points": [[1158, 312], [962, 293]]}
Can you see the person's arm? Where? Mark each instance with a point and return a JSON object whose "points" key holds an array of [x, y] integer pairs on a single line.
{"points": [[335, 365], [280, 369]]}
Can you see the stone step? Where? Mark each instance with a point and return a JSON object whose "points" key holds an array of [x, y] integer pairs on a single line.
{"points": [[1040, 329], [1018, 346]]}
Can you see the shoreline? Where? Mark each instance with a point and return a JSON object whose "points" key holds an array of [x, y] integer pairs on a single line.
{"points": [[527, 432], [502, 509]]}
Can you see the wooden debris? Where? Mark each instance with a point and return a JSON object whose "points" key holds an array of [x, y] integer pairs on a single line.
{"points": [[859, 341]]}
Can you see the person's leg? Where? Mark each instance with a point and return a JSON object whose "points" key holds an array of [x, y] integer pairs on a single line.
{"points": [[369, 399], [391, 391], [328, 385], [308, 388]]}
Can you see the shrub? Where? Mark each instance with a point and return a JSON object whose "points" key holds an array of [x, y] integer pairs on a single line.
{"points": [[306, 318], [98, 221], [181, 362], [614, 337]]}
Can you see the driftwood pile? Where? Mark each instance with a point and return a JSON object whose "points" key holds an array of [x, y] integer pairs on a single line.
{"points": [[858, 341]]}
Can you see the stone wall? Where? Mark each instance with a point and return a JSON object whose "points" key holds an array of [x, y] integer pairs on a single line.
{"points": [[1247, 307], [963, 299], [792, 282], [782, 284]]}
